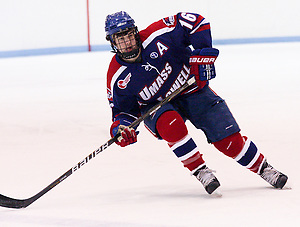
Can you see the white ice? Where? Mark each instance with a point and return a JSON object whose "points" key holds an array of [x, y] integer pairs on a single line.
{"points": [[54, 112]]}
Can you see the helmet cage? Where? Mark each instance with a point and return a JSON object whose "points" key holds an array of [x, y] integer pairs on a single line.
{"points": [[123, 54]]}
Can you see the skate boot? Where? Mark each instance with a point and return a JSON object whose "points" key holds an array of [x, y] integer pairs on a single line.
{"points": [[272, 176], [207, 178]]}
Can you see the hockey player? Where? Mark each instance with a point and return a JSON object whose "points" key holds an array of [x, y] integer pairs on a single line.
{"points": [[152, 63]]}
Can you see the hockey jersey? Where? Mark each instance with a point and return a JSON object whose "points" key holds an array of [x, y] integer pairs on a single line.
{"points": [[164, 66]]}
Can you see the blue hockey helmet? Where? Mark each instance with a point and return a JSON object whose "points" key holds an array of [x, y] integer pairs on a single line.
{"points": [[117, 22], [121, 22]]}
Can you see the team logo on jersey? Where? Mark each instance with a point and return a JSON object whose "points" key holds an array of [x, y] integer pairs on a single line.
{"points": [[149, 67], [169, 21], [122, 84]]}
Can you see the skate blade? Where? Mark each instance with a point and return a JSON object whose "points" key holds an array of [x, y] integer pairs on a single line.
{"points": [[287, 186], [216, 194]]}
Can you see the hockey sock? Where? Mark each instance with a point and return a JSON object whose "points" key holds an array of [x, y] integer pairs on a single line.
{"points": [[172, 129], [187, 152], [243, 150]]}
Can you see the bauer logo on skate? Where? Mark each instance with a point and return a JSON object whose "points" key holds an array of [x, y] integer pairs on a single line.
{"points": [[202, 60], [123, 83]]}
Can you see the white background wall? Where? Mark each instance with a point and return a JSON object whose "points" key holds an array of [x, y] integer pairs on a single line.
{"points": [[27, 24], [31, 24]]}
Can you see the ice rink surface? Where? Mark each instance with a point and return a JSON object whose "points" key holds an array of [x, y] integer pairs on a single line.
{"points": [[54, 112]]}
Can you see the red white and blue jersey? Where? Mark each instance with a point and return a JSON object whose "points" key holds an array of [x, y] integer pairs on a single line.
{"points": [[164, 66]]}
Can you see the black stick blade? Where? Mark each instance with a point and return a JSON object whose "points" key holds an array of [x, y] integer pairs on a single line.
{"points": [[13, 203]]}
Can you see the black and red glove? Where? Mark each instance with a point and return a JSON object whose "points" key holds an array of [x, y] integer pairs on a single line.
{"points": [[127, 135]]}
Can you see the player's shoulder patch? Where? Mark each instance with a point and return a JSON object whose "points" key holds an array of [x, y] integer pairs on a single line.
{"points": [[169, 21], [122, 84]]}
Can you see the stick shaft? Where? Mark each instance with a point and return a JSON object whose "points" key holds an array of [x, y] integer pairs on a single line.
{"points": [[22, 203]]}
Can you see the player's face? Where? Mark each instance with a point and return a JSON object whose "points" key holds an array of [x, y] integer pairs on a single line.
{"points": [[125, 41]]}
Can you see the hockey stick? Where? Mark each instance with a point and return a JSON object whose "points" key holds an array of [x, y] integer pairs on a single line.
{"points": [[22, 203]]}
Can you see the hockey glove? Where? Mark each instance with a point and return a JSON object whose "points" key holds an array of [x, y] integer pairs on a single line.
{"points": [[127, 135], [202, 64]]}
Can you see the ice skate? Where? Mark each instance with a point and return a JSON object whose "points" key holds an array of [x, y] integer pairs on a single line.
{"points": [[207, 178], [273, 176]]}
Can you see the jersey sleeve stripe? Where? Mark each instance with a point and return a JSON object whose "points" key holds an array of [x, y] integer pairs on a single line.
{"points": [[203, 25], [155, 34]]}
